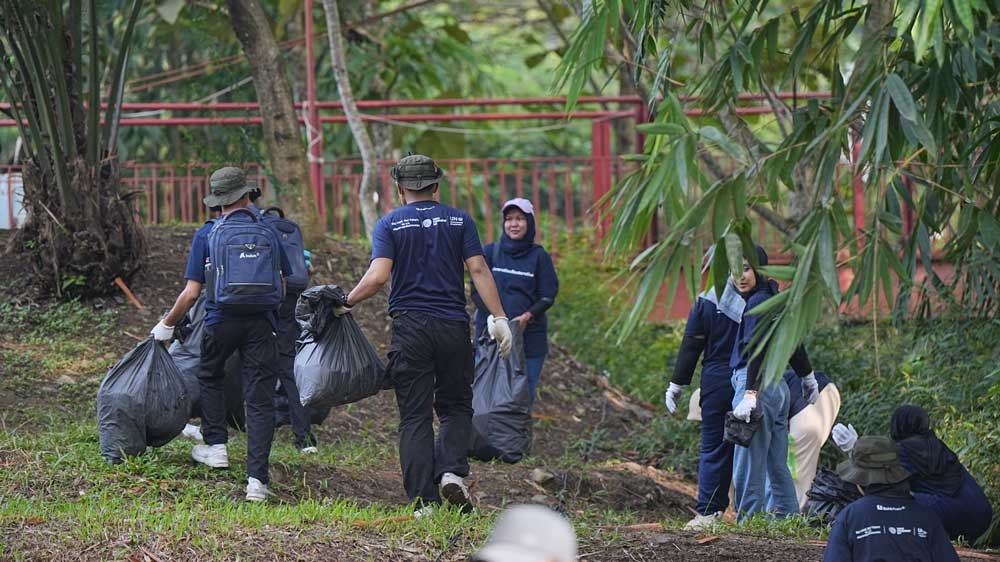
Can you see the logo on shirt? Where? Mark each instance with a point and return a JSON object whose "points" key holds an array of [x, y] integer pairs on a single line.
{"points": [[881, 507], [427, 223], [513, 272], [456, 221]]}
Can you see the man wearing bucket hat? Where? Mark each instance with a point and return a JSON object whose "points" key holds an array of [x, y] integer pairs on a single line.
{"points": [[887, 523], [526, 281], [250, 329], [529, 533], [425, 246]]}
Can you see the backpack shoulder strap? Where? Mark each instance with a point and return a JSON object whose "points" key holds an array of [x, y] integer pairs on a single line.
{"points": [[496, 252]]}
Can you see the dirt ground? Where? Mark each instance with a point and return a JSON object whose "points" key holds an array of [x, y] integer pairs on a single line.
{"points": [[573, 406]]}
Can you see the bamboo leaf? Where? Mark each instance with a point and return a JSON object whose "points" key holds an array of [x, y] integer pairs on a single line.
{"points": [[963, 9], [901, 97], [925, 27], [827, 259], [110, 131], [669, 129]]}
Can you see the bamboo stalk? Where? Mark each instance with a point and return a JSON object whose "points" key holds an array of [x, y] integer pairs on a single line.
{"points": [[128, 293]]}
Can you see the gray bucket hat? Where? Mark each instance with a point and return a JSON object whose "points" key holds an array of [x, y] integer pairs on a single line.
{"points": [[227, 185], [415, 172], [873, 460]]}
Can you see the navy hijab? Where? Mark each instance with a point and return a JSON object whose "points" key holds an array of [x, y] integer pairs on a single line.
{"points": [[933, 463], [518, 248]]}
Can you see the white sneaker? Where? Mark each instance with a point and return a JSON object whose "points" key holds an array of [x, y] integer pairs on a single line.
{"points": [[256, 490], [702, 522], [312, 450], [214, 456], [426, 511], [193, 433], [455, 492]]}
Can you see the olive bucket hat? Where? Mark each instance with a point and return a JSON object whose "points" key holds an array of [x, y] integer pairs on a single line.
{"points": [[227, 185], [873, 460], [415, 172]]}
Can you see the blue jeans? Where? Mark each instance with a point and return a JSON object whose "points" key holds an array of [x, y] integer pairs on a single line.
{"points": [[533, 366], [760, 472]]}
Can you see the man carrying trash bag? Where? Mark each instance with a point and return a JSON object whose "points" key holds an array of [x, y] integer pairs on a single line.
{"points": [[423, 246], [242, 264]]}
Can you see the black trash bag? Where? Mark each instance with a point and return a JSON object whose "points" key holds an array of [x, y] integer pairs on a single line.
{"points": [[335, 364], [141, 402], [186, 351], [282, 415], [501, 402], [828, 495], [739, 432]]}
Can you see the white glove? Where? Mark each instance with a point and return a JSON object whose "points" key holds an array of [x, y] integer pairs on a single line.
{"points": [[500, 331], [810, 388], [341, 310], [746, 406], [844, 436], [673, 394], [162, 332]]}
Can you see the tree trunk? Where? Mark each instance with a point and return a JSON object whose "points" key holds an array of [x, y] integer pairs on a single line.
{"points": [[80, 253], [358, 130], [282, 132]]}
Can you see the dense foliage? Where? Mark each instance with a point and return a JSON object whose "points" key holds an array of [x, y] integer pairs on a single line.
{"points": [[912, 112], [946, 365]]}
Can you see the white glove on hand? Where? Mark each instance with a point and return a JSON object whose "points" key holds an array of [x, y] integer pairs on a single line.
{"points": [[162, 332], [844, 436], [673, 394], [499, 330], [341, 310], [810, 388], [745, 407]]}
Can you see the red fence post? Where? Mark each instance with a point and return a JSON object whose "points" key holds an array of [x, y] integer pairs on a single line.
{"points": [[600, 141]]}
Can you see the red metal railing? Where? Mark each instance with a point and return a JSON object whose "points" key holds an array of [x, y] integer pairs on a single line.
{"points": [[561, 188]]}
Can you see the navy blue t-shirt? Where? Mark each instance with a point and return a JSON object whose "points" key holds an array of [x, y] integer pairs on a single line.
{"points": [[522, 282], [198, 261], [706, 321], [428, 243], [888, 529], [797, 402]]}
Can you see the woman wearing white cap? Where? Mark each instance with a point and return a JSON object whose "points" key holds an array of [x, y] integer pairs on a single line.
{"points": [[526, 280]]}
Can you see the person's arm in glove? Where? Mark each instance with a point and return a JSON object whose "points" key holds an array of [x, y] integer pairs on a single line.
{"points": [[799, 362], [845, 436], [687, 359], [164, 329], [671, 397], [746, 406], [482, 278]]}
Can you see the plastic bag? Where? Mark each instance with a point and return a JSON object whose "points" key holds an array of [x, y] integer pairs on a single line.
{"points": [[141, 402], [828, 495], [501, 402], [186, 352], [335, 363], [282, 414]]}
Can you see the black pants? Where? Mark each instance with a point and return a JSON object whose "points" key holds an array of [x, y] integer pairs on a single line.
{"points": [[288, 332], [431, 368], [254, 338]]}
